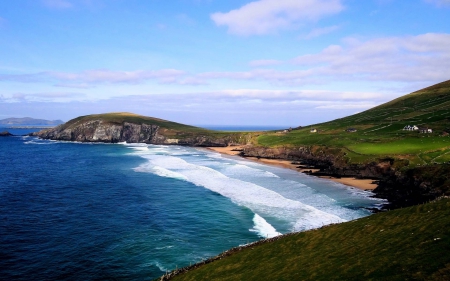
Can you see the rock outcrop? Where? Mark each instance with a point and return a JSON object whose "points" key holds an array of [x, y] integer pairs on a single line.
{"points": [[101, 131], [401, 187], [5, 134]]}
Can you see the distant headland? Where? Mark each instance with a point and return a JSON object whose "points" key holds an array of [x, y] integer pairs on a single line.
{"points": [[27, 122]]}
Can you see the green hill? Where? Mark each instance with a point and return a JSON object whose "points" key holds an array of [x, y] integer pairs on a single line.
{"points": [[122, 126], [121, 117], [405, 244], [379, 131]]}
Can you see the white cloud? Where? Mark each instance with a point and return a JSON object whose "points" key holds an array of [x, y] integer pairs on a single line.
{"points": [[295, 77], [185, 19], [259, 63], [439, 3], [291, 96], [161, 26], [88, 78], [69, 4], [230, 106], [321, 31], [46, 97], [73, 85], [269, 16], [410, 59], [23, 78], [58, 4], [424, 57], [337, 105], [164, 76], [258, 100]]}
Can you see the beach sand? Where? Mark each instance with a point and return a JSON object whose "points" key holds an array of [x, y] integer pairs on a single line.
{"points": [[363, 184]]}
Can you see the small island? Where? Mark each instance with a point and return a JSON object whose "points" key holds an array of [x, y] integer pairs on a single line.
{"points": [[5, 134]]}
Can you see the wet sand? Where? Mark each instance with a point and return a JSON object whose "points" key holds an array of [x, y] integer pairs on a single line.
{"points": [[363, 184]]}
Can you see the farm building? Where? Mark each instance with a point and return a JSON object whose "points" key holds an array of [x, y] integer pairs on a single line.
{"points": [[410, 128], [313, 131], [425, 130], [351, 130]]}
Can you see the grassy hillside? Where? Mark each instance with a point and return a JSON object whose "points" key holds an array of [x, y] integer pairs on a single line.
{"points": [[168, 128], [121, 117], [379, 130], [405, 244]]}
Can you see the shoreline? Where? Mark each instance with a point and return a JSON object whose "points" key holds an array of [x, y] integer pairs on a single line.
{"points": [[362, 184]]}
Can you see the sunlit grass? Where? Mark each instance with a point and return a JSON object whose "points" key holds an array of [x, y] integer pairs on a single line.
{"points": [[406, 244], [379, 130]]}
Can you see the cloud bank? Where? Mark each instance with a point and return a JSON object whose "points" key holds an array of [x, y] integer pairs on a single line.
{"points": [[57, 4], [439, 3], [424, 57], [269, 16]]}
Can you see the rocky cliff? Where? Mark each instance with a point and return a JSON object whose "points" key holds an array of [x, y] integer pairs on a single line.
{"points": [[400, 185], [98, 130]]}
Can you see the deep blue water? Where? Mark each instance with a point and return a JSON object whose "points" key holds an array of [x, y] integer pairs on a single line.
{"points": [[71, 211]]}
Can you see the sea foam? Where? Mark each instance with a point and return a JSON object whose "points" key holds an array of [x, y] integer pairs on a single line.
{"points": [[263, 228], [255, 197]]}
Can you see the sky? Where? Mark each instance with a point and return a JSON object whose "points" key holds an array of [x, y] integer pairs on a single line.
{"points": [[214, 62]]}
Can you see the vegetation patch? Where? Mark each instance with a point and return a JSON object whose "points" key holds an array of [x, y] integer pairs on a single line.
{"points": [[379, 131], [404, 244]]}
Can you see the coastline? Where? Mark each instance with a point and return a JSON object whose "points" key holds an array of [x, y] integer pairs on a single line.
{"points": [[362, 184]]}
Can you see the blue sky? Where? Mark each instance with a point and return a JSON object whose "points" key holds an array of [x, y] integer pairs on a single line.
{"points": [[211, 62]]}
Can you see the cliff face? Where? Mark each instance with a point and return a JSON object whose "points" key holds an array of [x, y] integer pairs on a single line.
{"points": [[330, 161], [401, 187], [100, 131]]}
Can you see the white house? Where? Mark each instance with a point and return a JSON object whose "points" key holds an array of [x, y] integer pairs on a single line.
{"points": [[313, 131], [410, 128]]}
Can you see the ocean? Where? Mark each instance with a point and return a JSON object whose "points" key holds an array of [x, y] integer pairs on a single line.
{"points": [[77, 211]]}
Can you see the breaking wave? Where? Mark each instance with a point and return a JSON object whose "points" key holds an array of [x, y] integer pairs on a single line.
{"points": [[260, 200], [263, 228]]}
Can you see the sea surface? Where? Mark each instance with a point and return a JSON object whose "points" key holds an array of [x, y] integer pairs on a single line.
{"points": [[74, 211]]}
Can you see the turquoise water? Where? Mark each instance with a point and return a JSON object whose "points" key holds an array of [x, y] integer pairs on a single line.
{"points": [[72, 211]]}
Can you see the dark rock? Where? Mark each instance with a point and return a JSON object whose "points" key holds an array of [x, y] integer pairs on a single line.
{"points": [[5, 134], [100, 131], [401, 189]]}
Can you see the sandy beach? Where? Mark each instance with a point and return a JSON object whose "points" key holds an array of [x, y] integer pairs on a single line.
{"points": [[363, 184]]}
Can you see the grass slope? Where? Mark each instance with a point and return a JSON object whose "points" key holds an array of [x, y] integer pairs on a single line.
{"points": [[404, 244], [379, 130], [167, 128], [121, 117]]}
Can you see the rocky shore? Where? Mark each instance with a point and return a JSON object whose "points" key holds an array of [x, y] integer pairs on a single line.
{"points": [[400, 185], [363, 184]]}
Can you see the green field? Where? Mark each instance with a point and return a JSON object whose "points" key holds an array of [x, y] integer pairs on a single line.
{"points": [[379, 131], [405, 244]]}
